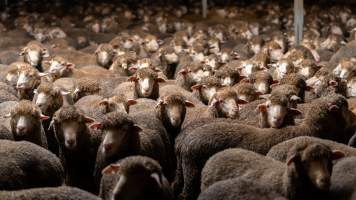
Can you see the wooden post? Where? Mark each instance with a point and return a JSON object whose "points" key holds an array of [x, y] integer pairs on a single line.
{"points": [[298, 21], [204, 8]]}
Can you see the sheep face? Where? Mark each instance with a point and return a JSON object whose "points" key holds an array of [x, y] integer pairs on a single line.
{"points": [[316, 162], [115, 138], [25, 120], [262, 86], [275, 112], [171, 57], [104, 55], [351, 88], [248, 68], [27, 79], [116, 104], [151, 44], [46, 100], [345, 69], [59, 67], [206, 92], [134, 183], [146, 82], [283, 68], [70, 132], [12, 77], [33, 54], [172, 110], [227, 108]]}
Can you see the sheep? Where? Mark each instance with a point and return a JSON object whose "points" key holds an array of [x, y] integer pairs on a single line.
{"points": [[262, 81], [27, 165], [49, 99], [345, 69], [48, 193], [239, 188], [192, 74], [33, 54], [351, 88], [26, 123], [143, 104], [297, 81], [146, 83], [246, 91], [78, 146], [227, 76], [5, 134], [6, 95], [306, 175], [325, 119], [308, 68], [279, 151], [173, 88], [58, 67], [122, 138], [142, 172], [352, 141], [95, 106], [28, 80], [104, 54], [206, 88], [282, 68], [343, 179], [171, 110]]}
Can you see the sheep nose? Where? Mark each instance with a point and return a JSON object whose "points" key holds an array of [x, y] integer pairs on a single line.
{"points": [[70, 143], [107, 147], [21, 129], [323, 183], [20, 86]]}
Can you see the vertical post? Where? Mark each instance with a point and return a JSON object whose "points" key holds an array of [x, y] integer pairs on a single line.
{"points": [[298, 21], [204, 8]]}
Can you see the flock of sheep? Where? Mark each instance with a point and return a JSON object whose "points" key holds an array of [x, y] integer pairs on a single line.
{"points": [[130, 102]]}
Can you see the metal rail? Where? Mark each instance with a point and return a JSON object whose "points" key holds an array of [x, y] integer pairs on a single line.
{"points": [[298, 21]]}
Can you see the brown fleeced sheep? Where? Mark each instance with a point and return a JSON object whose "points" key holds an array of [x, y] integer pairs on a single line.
{"points": [[325, 119], [96, 106], [343, 179], [48, 193], [122, 138], [27, 165], [28, 80], [206, 88], [305, 175], [239, 188], [26, 123], [33, 54], [262, 81], [135, 178], [145, 84], [49, 99], [279, 152], [173, 88], [78, 146], [105, 54], [246, 92]]}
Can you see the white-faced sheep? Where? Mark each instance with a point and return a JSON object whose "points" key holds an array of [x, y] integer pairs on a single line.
{"points": [[26, 123], [33, 54], [206, 88], [306, 175], [105, 54], [134, 178], [78, 146], [28, 80], [26, 165]]}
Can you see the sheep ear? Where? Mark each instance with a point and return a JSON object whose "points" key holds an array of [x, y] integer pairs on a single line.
{"points": [[336, 154], [111, 169], [241, 101], [96, 126], [333, 108], [160, 80], [132, 79], [183, 72], [70, 65], [196, 87], [160, 102], [136, 129], [189, 104], [103, 102], [292, 159], [133, 69], [131, 102], [157, 178], [44, 117], [275, 82], [261, 108], [294, 111], [8, 115], [88, 120]]}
